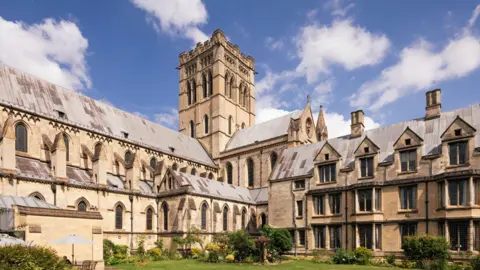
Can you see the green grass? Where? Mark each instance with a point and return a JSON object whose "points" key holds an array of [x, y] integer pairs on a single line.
{"points": [[193, 265]]}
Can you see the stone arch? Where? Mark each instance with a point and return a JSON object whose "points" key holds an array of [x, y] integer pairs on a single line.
{"points": [[149, 217], [204, 214], [82, 204], [119, 210], [21, 136], [37, 195]]}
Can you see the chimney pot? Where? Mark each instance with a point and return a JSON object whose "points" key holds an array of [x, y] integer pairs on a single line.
{"points": [[434, 104], [357, 126]]}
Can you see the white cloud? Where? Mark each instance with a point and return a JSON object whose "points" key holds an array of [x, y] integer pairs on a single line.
{"points": [[420, 67], [54, 51], [341, 43], [322, 92], [273, 45], [474, 17], [168, 118], [176, 17], [337, 8]]}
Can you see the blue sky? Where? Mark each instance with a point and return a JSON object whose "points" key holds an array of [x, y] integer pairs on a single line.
{"points": [[379, 56]]}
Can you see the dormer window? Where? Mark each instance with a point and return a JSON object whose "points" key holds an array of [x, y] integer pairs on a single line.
{"points": [[125, 134], [458, 152], [408, 142], [327, 173], [366, 167], [61, 114], [408, 161], [366, 150]]}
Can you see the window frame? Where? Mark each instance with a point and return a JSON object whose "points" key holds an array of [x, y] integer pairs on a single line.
{"points": [[407, 229], [407, 156], [149, 219], [301, 184], [459, 199], [204, 215], [335, 203], [367, 202], [119, 217], [251, 172], [408, 193], [327, 173], [319, 205], [367, 170], [299, 209], [456, 154], [335, 233], [21, 129]]}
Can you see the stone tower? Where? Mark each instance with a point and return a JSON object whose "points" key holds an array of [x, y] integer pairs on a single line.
{"points": [[217, 92]]}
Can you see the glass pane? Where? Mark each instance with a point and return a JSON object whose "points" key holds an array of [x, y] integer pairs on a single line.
{"points": [[462, 152], [453, 154], [452, 192], [370, 166], [334, 172], [363, 167]]}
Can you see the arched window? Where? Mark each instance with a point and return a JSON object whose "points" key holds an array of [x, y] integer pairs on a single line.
{"points": [[240, 88], [192, 129], [210, 176], [67, 146], [230, 123], [210, 83], [193, 171], [273, 159], [251, 172], [128, 158], [225, 219], [194, 91], [149, 225], [175, 166], [82, 206], [153, 163], [204, 85], [231, 89], [204, 216], [165, 216], [253, 221], [119, 217], [189, 94], [229, 173], [205, 123], [21, 138], [263, 218], [244, 218]]}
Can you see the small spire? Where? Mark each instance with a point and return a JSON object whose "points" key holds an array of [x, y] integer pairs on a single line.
{"points": [[308, 98], [321, 130]]}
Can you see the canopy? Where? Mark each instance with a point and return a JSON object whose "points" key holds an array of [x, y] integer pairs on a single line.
{"points": [[72, 239]]}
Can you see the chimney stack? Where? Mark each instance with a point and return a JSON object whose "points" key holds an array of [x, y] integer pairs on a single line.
{"points": [[434, 104], [357, 126]]}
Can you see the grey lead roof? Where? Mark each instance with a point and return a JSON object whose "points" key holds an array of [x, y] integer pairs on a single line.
{"points": [[29, 93], [298, 161], [263, 131], [204, 186], [6, 202]]}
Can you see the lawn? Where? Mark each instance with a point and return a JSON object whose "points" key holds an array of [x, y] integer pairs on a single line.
{"points": [[192, 265]]}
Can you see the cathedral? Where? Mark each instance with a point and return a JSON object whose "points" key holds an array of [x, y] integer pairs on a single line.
{"points": [[72, 164]]}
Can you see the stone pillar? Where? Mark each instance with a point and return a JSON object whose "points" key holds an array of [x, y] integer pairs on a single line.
{"points": [[327, 205], [99, 166], [357, 238], [446, 195], [132, 173], [373, 237], [59, 158], [7, 148], [447, 233], [471, 234], [356, 201], [373, 200], [471, 191], [327, 237]]}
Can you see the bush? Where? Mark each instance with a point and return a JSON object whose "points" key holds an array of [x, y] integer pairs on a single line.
{"points": [[17, 257], [241, 243], [155, 254], [159, 244], [425, 248], [108, 247], [221, 239], [279, 241], [390, 259], [172, 254], [230, 258], [342, 256], [141, 247], [439, 264], [120, 251], [196, 252], [363, 255]]}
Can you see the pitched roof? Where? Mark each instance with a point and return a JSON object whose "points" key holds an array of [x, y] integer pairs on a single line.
{"points": [[6, 202], [34, 95], [298, 161], [262, 131], [213, 188]]}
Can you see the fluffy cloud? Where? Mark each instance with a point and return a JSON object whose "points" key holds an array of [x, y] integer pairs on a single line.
{"points": [[168, 118], [419, 68], [337, 124], [273, 45], [176, 17], [341, 43], [337, 8], [54, 51]]}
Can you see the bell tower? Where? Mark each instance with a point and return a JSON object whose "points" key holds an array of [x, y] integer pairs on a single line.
{"points": [[217, 92]]}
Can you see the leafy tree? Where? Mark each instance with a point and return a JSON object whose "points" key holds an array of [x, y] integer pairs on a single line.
{"points": [[425, 248], [279, 240], [242, 244]]}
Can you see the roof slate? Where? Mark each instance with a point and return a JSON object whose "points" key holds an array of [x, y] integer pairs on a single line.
{"points": [[384, 137], [204, 186], [31, 94], [6, 202], [262, 131]]}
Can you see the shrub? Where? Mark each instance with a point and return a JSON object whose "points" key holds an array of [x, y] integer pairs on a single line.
{"points": [[17, 257], [141, 247], [230, 258], [278, 239], [155, 254], [172, 254], [390, 259], [241, 243], [120, 251], [212, 247], [221, 239], [475, 262], [108, 247], [159, 244], [425, 248], [363, 255], [342, 256], [438, 264], [196, 252]]}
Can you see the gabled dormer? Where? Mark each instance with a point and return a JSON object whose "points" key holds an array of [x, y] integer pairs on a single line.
{"points": [[366, 158], [457, 142], [326, 162], [407, 151]]}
